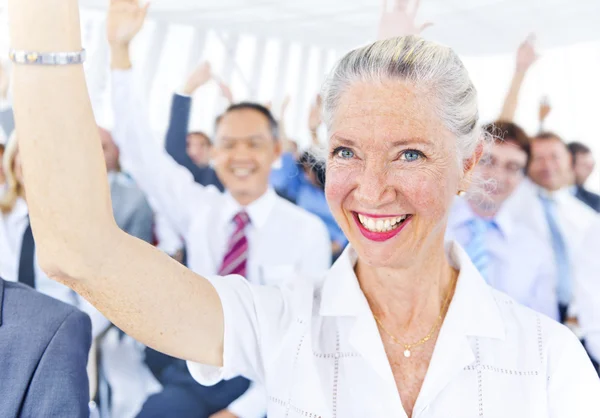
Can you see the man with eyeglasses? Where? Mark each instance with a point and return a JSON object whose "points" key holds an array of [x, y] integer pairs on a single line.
{"points": [[510, 255]]}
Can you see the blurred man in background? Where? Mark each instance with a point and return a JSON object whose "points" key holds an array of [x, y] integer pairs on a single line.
{"points": [[583, 166]]}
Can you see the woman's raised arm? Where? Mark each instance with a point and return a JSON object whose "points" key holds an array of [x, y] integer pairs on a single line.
{"points": [[144, 292]]}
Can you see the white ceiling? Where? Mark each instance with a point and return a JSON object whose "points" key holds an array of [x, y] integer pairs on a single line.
{"points": [[472, 27]]}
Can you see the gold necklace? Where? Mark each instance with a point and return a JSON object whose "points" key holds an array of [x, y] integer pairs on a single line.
{"points": [[436, 325]]}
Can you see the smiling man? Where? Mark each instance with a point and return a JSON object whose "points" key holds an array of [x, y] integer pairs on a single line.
{"points": [[509, 255], [246, 230]]}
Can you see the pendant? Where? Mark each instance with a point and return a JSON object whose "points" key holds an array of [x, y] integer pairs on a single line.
{"points": [[407, 353]]}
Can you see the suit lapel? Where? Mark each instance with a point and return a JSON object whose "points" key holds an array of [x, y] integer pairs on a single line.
{"points": [[1, 299]]}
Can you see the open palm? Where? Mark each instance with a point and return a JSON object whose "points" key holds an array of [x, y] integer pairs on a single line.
{"points": [[400, 21], [125, 19]]}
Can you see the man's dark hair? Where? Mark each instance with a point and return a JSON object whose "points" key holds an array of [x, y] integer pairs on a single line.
{"points": [[576, 148], [510, 132], [273, 125]]}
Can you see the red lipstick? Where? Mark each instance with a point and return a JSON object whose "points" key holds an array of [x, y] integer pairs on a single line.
{"points": [[380, 236]]}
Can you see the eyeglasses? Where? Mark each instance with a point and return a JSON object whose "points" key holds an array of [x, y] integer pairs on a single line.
{"points": [[509, 168]]}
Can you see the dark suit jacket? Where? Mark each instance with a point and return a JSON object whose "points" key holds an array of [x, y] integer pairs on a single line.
{"points": [[176, 142], [44, 347], [589, 198]]}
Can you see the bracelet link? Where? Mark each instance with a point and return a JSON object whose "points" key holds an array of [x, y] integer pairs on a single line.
{"points": [[49, 58]]}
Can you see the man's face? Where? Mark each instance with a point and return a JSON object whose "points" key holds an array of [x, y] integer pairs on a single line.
{"points": [[198, 149], [244, 152], [583, 167], [550, 165], [503, 169]]}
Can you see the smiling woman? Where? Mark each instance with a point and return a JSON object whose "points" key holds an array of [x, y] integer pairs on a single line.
{"points": [[404, 140]]}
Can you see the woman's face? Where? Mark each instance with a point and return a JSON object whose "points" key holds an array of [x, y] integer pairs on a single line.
{"points": [[392, 173]]}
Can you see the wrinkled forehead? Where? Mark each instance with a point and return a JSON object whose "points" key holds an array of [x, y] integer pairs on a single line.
{"points": [[380, 113]]}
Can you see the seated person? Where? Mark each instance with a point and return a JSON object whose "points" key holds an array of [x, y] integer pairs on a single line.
{"points": [[44, 347]]}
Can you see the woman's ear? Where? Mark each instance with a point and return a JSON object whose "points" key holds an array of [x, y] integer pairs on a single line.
{"points": [[469, 165]]}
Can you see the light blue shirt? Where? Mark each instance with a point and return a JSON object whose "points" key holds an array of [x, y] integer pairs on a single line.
{"points": [[519, 262]]}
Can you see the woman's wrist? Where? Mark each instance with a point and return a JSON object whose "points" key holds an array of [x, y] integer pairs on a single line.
{"points": [[44, 25], [119, 57]]}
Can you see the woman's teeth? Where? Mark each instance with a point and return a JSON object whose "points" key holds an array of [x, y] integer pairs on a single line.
{"points": [[381, 224]]}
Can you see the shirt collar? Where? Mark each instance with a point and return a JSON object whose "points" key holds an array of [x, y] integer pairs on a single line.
{"points": [[461, 214], [473, 309], [258, 211], [20, 210]]}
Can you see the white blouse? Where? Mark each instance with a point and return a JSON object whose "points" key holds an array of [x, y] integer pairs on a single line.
{"points": [[317, 349]]}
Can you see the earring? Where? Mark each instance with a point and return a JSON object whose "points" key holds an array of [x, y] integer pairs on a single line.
{"points": [[461, 193]]}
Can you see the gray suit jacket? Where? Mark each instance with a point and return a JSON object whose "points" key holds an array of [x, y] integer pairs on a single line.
{"points": [[44, 347], [131, 209]]}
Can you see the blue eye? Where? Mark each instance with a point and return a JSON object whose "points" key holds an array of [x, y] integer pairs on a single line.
{"points": [[344, 153], [411, 155]]}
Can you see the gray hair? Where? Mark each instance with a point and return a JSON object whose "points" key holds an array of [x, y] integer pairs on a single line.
{"points": [[434, 68]]}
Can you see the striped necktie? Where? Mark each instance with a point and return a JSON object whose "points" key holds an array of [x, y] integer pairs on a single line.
{"points": [[236, 258], [477, 248], [561, 257]]}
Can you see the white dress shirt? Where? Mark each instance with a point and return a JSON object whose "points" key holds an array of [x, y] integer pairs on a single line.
{"points": [[12, 228], [168, 240], [320, 353], [283, 239], [573, 216], [520, 261], [587, 289]]}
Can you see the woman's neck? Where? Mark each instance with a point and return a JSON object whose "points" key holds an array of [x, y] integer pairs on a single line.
{"points": [[410, 297]]}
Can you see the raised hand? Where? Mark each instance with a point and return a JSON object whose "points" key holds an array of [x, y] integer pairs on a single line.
{"points": [[526, 54], [314, 117], [284, 106], [400, 21], [124, 21], [545, 109], [199, 77], [225, 90]]}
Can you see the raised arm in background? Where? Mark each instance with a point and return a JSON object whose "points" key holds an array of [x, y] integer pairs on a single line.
{"points": [[544, 111], [169, 187], [314, 121], [78, 240], [526, 56], [177, 134], [400, 19]]}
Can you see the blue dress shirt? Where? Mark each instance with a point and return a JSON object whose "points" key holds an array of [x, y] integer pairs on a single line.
{"points": [[519, 262]]}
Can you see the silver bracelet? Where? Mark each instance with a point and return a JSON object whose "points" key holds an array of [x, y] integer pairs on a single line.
{"points": [[46, 58]]}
